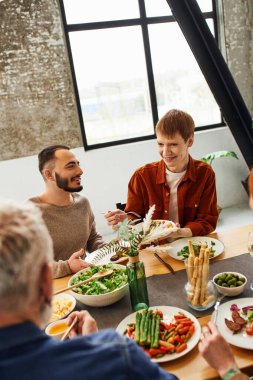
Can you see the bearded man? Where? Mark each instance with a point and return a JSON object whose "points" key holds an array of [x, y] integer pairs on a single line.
{"points": [[68, 215]]}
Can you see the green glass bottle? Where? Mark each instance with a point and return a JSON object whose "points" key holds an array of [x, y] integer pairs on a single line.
{"points": [[137, 283]]}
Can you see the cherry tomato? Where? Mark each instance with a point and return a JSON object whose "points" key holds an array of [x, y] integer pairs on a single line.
{"points": [[159, 312], [183, 330], [156, 351], [181, 347], [249, 329]]}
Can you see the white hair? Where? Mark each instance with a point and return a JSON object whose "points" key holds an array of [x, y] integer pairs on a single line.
{"points": [[25, 246]]}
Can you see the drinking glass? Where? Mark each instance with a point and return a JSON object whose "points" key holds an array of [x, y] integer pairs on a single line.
{"points": [[250, 249]]}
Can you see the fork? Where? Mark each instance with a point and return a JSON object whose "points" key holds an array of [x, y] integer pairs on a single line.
{"points": [[217, 304]]}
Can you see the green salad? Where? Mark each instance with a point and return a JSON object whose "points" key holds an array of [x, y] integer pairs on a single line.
{"points": [[184, 253], [103, 285]]}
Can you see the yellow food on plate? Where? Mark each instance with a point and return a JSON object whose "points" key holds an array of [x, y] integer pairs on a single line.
{"points": [[61, 307], [163, 223]]}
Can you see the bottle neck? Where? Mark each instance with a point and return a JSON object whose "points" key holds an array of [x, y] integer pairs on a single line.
{"points": [[134, 259]]}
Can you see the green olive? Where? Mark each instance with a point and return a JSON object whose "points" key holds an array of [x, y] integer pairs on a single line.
{"points": [[229, 280]]}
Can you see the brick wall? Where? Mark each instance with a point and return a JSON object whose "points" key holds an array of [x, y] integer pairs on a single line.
{"points": [[37, 105], [238, 20]]}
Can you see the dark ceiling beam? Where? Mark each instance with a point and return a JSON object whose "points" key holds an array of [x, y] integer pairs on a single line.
{"points": [[214, 68]]}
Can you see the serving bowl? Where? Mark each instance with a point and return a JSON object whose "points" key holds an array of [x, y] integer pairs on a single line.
{"points": [[100, 300], [230, 283]]}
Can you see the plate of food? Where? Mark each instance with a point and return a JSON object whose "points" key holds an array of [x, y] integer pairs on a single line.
{"points": [[179, 249], [156, 331], [62, 305], [112, 252], [235, 322], [167, 225]]}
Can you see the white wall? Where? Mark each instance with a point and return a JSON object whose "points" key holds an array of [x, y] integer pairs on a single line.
{"points": [[107, 172]]}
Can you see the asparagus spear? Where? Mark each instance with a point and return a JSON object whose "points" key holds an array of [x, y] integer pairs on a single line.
{"points": [[137, 327]]}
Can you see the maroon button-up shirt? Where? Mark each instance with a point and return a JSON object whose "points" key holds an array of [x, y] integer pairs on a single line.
{"points": [[196, 195]]}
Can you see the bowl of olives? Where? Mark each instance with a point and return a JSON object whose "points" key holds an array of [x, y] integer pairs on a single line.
{"points": [[230, 283]]}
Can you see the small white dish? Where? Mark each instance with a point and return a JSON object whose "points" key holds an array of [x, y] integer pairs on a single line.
{"points": [[227, 291], [62, 305], [56, 329]]}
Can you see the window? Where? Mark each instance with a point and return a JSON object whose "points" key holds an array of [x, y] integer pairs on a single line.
{"points": [[131, 64]]}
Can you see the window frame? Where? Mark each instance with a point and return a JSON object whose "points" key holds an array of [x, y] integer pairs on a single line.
{"points": [[143, 21]]}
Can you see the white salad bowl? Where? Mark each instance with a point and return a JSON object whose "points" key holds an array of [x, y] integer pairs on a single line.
{"points": [[100, 299]]}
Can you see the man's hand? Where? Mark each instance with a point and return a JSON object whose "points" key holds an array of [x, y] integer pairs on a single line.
{"points": [[85, 325], [76, 263], [114, 217], [215, 350]]}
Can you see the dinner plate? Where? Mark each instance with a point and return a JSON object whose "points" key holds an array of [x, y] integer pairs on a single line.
{"points": [[177, 245], [162, 222], [168, 314], [101, 257], [240, 339]]}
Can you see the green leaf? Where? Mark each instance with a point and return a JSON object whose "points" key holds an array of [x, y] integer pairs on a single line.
{"points": [[219, 154]]}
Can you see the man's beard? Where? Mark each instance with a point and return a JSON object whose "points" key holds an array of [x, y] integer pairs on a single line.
{"points": [[62, 183]]}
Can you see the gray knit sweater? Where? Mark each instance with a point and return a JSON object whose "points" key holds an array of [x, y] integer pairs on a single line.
{"points": [[71, 228]]}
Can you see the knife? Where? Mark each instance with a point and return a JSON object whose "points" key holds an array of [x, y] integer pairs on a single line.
{"points": [[168, 266]]}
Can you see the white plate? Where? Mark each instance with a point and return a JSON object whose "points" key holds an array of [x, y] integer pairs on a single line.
{"points": [[168, 314], [240, 339], [177, 245], [170, 230], [99, 257]]}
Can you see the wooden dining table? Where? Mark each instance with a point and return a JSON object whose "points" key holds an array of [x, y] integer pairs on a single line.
{"points": [[192, 366]]}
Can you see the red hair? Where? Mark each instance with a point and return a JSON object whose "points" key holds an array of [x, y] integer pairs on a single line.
{"points": [[176, 121]]}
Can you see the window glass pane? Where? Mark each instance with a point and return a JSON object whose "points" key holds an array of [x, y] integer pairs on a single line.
{"points": [[178, 79], [156, 8], [112, 82], [205, 5], [82, 11], [210, 24]]}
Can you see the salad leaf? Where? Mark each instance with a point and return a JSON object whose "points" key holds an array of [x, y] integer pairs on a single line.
{"points": [[246, 308], [250, 315], [196, 247], [103, 285]]}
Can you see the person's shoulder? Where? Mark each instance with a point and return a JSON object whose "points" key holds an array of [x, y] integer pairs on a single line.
{"points": [[34, 200], [118, 350], [80, 199], [102, 339], [152, 166], [82, 203], [202, 166]]}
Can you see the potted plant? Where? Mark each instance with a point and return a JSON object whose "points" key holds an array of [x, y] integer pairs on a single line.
{"points": [[221, 153], [210, 157]]}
